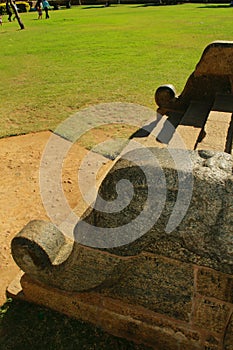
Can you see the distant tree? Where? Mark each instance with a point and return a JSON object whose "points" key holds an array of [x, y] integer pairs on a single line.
{"points": [[10, 3]]}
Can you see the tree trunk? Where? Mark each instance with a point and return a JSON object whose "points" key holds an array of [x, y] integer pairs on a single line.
{"points": [[13, 6]]}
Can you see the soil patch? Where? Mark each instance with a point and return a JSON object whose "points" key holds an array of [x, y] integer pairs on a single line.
{"points": [[20, 199]]}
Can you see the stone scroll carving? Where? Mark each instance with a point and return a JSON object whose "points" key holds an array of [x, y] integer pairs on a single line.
{"points": [[204, 236], [173, 289]]}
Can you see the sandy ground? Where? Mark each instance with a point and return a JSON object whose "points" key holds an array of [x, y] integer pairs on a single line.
{"points": [[20, 199]]}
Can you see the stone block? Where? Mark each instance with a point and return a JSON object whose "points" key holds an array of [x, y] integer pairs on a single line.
{"points": [[211, 315], [228, 338], [212, 343], [211, 283], [121, 319], [157, 283]]}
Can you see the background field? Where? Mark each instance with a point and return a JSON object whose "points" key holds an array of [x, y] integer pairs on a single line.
{"points": [[90, 54]]}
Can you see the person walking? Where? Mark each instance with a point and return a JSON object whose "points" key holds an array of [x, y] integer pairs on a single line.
{"points": [[39, 9], [46, 7], [8, 11]]}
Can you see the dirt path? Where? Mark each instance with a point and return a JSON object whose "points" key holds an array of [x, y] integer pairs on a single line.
{"points": [[20, 200]]}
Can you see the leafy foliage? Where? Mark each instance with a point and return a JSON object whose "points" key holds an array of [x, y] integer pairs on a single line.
{"points": [[22, 6]]}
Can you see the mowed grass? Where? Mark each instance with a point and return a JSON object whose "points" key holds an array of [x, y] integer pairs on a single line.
{"points": [[87, 55]]}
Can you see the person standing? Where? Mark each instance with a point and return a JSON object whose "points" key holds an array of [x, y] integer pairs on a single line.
{"points": [[1, 16], [46, 7], [39, 9], [8, 11]]}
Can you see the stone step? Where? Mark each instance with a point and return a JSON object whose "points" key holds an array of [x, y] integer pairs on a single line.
{"points": [[223, 103], [216, 129], [192, 123]]}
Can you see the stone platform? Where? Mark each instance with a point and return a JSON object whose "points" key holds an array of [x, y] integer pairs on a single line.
{"points": [[169, 290], [208, 323]]}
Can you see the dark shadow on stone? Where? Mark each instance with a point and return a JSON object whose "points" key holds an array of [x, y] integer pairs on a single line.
{"points": [[29, 326], [144, 131], [229, 140], [169, 127], [167, 131]]}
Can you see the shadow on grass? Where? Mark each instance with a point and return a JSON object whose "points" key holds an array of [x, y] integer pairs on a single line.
{"points": [[28, 326], [214, 6], [93, 7], [158, 3], [96, 7], [149, 4]]}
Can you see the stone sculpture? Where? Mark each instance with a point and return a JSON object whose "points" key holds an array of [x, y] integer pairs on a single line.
{"points": [[213, 75], [165, 280]]}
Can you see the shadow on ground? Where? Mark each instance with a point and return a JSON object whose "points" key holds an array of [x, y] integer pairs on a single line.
{"points": [[214, 6], [26, 326], [96, 7], [149, 4]]}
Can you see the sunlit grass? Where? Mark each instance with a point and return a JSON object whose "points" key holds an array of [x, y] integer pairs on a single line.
{"points": [[83, 56]]}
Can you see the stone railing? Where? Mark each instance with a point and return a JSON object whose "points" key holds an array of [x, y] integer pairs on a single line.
{"points": [[171, 290], [157, 267]]}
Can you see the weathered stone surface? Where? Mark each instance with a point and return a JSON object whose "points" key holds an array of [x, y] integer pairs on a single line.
{"points": [[216, 59], [157, 283], [211, 315], [211, 343], [204, 236], [132, 322], [211, 283], [77, 271], [228, 339], [156, 270]]}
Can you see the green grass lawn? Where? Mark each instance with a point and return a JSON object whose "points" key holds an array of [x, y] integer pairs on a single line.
{"points": [[87, 55]]}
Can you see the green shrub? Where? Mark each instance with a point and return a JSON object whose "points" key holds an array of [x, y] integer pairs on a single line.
{"points": [[22, 6], [2, 9]]}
